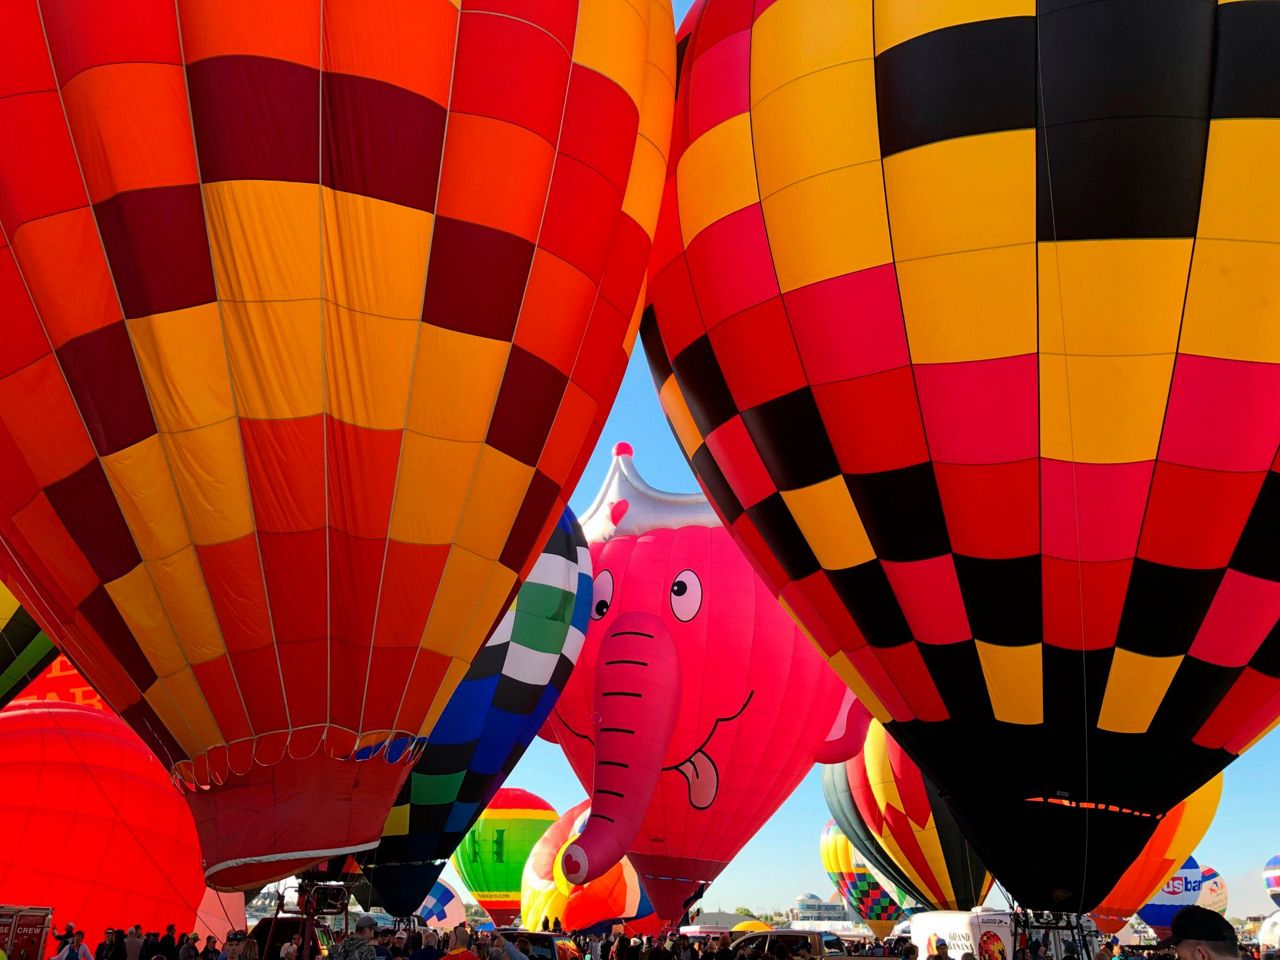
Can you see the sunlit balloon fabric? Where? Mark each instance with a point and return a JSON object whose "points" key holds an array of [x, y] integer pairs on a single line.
{"points": [[1176, 836], [25, 650], [492, 855], [967, 317], [547, 895], [910, 821], [312, 313], [93, 826], [858, 888], [491, 719], [442, 907]]}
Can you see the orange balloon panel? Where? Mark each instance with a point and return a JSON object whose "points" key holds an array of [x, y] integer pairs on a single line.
{"points": [[1172, 843], [311, 318]]}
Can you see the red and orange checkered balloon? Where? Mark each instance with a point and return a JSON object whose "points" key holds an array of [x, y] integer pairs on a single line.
{"points": [[966, 315], [311, 314]]}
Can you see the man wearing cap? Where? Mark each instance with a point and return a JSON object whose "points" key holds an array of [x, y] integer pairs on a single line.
{"points": [[940, 951], [358, 945], [1200, 934]]}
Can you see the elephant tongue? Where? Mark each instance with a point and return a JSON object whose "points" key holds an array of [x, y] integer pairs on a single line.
{"points": [[704, 779]]}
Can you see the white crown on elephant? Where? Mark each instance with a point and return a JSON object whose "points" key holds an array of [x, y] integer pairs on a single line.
{"points": [[627, 506]]}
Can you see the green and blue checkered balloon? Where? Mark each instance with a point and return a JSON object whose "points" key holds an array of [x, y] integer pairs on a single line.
{"points": [[490, 720]]}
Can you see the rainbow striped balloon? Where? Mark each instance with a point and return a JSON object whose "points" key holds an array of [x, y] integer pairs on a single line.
{"points": [[1271, 878], [858, 887]]}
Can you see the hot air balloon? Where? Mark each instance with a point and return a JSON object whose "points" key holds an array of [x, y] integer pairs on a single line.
{"points": [[443, 907], [1271, 879], [1180, 890], [546, 895], [490, 719], [1174, 838], [837, 789], [966, 318], [898, 815], [680, 719], [25, 650], [93, 825], [310, 324], [860, 890], [1213, 891], [492, 855]]}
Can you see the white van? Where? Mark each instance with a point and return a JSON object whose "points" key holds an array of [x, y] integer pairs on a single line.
{"points": [[989, 934]]}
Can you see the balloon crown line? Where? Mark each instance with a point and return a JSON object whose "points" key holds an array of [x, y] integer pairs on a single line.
{"points": [[628, 506]]}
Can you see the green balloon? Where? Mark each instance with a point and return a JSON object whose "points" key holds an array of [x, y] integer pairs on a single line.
{"points": [[491, 857]]}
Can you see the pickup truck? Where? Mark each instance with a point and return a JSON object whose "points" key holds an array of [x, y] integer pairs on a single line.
{"points": [[820, 944]]}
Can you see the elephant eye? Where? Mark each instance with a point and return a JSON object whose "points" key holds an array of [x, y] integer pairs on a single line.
{"points": [[686, 595], [601, 594]]}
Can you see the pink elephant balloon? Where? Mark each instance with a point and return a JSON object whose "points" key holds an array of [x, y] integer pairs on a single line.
{"points": [[697, 705]]}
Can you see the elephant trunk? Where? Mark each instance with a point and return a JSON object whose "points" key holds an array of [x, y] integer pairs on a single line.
{"points": [[637, 700]]}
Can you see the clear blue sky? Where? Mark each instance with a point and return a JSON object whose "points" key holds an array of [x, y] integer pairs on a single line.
{"points": [[782, 860]]}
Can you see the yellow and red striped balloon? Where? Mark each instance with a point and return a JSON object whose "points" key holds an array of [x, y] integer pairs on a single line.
{"points": [[311, 314]]}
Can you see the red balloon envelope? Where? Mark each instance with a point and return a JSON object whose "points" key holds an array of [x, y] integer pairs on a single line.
{"points": [[93, 826], [697, 704], [310, 321]]}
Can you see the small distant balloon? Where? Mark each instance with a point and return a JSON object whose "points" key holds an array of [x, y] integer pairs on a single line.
{"points": [[1180, 890], [1213, 890], [1271, 879], [443, 907]]}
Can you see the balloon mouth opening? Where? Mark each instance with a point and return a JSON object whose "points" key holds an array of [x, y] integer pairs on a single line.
{"points": [[226, 762], [276, 820], [248, 872]]}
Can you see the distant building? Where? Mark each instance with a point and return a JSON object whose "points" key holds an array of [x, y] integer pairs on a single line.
{"points": [[811, 908]]}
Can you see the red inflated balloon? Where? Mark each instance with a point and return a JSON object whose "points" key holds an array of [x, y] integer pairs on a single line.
{"points": [[93, 826]]}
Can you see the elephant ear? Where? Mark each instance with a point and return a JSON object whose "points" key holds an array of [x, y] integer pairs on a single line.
{"points": [[847, 734]]}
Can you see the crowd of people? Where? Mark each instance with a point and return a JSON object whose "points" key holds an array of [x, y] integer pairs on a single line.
{"points": [[1197, 934], [131, 943]]}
